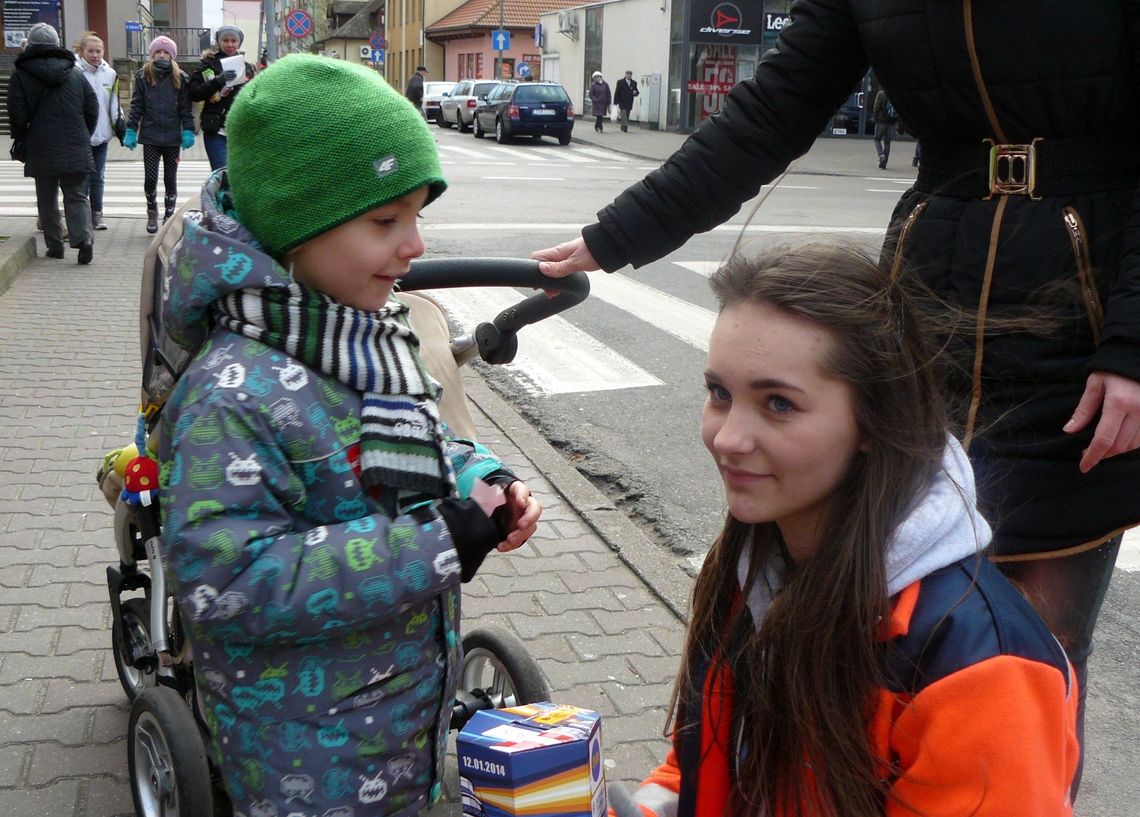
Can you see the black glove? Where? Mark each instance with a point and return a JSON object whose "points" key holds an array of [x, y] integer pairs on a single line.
{"points": [[229, 75], [473, 533]]}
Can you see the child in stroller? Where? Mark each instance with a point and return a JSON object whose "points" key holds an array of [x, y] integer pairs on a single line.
{"points": [[313, 532]]}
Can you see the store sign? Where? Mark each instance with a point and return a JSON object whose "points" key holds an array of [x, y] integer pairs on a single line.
{"points": [[776, 22], [714, 21], [696, 86]]}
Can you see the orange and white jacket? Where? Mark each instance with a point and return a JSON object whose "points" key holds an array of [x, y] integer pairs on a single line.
{"points": [[978, 712]]}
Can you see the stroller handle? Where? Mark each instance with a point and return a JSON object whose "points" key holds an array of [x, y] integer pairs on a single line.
{"points": [[496, 340]]}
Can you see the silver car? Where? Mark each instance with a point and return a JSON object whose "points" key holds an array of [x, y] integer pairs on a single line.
{"points": [[433, 93], [458, 108]]}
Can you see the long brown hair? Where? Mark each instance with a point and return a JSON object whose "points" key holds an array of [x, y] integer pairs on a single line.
{"points": [[806, 677]]}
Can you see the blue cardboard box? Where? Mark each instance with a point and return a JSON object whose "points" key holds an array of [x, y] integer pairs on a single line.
{"points": [[538, 760]]}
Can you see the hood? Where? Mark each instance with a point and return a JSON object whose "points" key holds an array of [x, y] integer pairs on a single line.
{"points": [[49, 64], [942, 528], [216, 256]]}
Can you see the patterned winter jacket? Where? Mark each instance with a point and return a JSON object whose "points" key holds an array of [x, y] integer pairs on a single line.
{"points": [[323, 622]]}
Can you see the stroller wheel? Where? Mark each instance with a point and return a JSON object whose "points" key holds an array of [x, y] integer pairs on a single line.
{"points": [[129, 642], [498, 663], [166, 759]]}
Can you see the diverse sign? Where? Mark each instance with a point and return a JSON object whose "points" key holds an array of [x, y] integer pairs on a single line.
{"points": [[715, 21], [377, 41], [133, 25], [501, 39], [21, 15], [523, 69]]}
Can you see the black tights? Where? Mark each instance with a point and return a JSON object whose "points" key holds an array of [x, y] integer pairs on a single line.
{"points": [[169, 156], [1068, 593]]}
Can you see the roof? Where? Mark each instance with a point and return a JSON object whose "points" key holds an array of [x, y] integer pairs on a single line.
{"points": [[360, 26], [346, 6], [484, 14]]}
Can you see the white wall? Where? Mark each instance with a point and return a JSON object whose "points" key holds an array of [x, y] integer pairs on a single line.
{"points": [[635, 38]]}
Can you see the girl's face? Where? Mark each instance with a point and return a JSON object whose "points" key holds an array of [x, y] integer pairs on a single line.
{"points": [[161, 54], [93, 51], [357, 263], [229, 45], [780, 428]]}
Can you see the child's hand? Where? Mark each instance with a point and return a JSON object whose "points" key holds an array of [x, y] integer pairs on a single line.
{"points": [[523, 511], [131, 140]]}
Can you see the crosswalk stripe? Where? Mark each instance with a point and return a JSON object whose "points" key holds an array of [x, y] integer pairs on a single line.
{"points": [[554, 357], [681, 319], [477, 154], [1129, 558], [705, 268], [608, 155]]}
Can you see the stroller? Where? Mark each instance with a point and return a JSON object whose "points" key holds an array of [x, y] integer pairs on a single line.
{"points": [[168, 767]]}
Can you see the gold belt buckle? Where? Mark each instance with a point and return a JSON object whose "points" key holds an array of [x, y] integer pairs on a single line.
{"points": [[1013, 170]]}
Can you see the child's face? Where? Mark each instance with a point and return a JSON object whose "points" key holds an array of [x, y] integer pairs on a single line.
{"points": [[229, 45], [93, 51], [161, 54], [781, 429], [357, 263]]}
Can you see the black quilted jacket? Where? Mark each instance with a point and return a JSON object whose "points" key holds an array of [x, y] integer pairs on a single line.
{"points": [[51, 103], [1051, 70]]}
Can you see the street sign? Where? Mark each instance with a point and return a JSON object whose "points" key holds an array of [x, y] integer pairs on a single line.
{"points": [[538, 34], [298, 23], [523, 69], [378, 56], [501, 39], [133, 25], [377, 41]]}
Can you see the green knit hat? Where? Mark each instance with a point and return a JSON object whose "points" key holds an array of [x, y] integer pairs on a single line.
{"points": [[314, 142]]}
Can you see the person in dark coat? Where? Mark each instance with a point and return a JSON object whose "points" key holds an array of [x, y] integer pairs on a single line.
{"points": [[624, 95], [886, 121], [209, 84], [55, 111], [1051, 419], [415, 90], [162, 121], [600, 99]]}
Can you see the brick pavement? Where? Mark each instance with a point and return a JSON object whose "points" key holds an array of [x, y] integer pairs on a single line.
{"points": [[68, 392]]}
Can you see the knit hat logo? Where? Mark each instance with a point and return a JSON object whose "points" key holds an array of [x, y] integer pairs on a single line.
{"points": [[386, 166]]}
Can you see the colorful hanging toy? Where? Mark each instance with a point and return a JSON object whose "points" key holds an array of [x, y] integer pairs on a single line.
{"points": [[140, 476]]}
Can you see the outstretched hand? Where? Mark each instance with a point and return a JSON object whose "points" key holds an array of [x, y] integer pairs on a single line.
{"points": [[1117, 399], [523, 511], [560, 261]]}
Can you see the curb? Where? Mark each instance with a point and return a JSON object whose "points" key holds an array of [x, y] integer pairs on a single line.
{"points": [[664, 578], [15, 253]]}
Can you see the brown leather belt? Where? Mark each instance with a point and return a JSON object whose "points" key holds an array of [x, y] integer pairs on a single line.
{"points": [[1042, 167]]}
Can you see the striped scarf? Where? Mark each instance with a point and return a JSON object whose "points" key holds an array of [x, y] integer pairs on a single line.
{"points": [[401, 438]]}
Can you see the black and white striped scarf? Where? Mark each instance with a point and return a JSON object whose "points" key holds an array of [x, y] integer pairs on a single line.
{"points": [[401, 438]]}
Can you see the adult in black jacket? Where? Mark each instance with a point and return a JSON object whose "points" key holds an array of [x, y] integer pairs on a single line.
{"points": [[1051, 419], [209, 85], [54, 109], [624, 93], [415, 90]]}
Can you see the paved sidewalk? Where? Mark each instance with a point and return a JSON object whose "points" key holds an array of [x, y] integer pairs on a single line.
{"points": [[68, 393]]}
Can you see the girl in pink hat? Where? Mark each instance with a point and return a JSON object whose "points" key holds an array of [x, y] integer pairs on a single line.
{"points": [[161, 120]]}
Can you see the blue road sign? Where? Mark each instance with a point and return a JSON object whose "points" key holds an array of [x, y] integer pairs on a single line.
{"points": [[133, 25], [523, 69], [538, 34], [378, 56], [377, 41], [298, 23], [501, 39]]}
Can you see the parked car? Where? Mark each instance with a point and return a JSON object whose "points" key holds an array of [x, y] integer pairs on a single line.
{"points": [[534, 109], [433, 93], [459, 106]]}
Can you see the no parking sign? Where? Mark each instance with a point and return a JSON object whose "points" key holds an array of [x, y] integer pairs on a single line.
{"points": [[298, 23]]}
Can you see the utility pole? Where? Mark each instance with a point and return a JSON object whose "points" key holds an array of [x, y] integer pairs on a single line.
{"points": [[270, 29], [499, 61]]}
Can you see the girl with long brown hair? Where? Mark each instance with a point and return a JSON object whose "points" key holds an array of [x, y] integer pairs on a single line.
{"points": [[850, 651]]}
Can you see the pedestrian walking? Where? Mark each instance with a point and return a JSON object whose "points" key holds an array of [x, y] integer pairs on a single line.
{"points": [[162, 121], [886, 120], [1022, 210], [385, 501], [600, 99], [105, 83], [849, 649], [624, 95], [415, 90], [215, 87], [52, 112]]}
